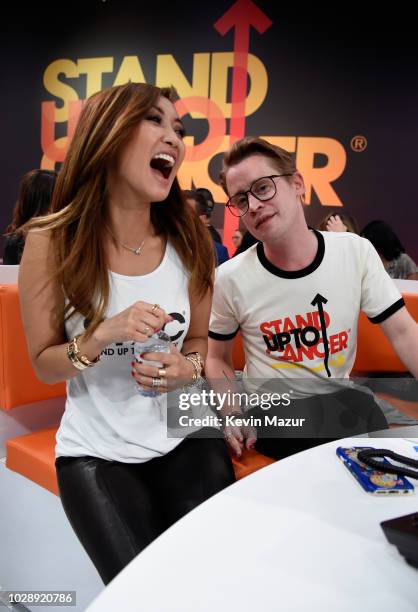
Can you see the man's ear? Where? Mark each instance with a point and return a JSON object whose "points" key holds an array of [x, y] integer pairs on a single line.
{"points": [[299, 183]]}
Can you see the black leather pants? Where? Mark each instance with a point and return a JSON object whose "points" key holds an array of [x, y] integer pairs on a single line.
{"points": [[116, 509]]}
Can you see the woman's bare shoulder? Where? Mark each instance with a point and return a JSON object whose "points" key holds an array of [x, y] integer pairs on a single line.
{"points": [[37, 259]]}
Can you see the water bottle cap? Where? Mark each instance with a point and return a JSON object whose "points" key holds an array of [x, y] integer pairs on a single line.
{"points": [[161, 335]]}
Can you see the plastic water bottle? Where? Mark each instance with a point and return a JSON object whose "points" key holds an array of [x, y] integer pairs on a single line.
{"points": [[157, 343]]}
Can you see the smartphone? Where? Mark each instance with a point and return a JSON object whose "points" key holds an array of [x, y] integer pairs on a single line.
{"points": [[371, 480]]}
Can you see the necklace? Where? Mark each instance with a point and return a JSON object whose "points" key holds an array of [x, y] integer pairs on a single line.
{"points": [[136, 251]]}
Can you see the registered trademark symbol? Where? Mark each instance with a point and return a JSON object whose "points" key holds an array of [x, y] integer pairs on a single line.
{"points": [[358, 143]]}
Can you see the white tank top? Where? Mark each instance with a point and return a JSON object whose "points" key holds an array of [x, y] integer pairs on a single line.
{"points": [[104, 415]]}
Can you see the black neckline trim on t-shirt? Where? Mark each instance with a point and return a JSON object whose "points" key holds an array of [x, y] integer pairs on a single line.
{"points": [[216, 336], [388, 312], [294, 273]]}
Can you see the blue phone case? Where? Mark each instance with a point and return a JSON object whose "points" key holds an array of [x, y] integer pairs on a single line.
{"points": [[373, 481]]}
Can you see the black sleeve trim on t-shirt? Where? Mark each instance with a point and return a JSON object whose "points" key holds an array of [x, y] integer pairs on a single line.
{"points": [[215, 336], [388, 312]]}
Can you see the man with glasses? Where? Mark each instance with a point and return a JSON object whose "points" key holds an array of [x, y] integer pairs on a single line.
{"points": [[295, 297]]}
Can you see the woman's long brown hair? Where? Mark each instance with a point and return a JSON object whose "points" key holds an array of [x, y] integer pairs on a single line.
{"points": [[78, 213]]}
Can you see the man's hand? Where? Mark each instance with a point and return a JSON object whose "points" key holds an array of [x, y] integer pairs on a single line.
{"points": [[238, 435]]}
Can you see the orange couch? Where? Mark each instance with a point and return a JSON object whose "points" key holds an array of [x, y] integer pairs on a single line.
{"points": [[375, 355], [374, 351], [32, 455], [18, 382]]}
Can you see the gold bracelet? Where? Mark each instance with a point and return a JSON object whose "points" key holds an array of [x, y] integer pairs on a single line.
{"points": [[198, 358], [73, 357], [197, 363], [81, 362], [83, 358], [195, 368]]}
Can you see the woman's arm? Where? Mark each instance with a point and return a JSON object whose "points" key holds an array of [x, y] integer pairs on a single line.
{"points": [[46, 338], [38, 297], [197, 336]]}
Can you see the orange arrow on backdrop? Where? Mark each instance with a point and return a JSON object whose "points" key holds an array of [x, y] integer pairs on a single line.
{"points": [[241, 16]]}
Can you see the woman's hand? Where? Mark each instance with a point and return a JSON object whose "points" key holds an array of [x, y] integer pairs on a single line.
{"points": [[175, 372], [239, 436], [137, 323]]}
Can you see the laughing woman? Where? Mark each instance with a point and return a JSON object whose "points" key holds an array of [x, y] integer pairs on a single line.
{"points": [[119, 254]]}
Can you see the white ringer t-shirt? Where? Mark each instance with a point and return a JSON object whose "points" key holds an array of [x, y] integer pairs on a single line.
{"points": [[285, 317]]}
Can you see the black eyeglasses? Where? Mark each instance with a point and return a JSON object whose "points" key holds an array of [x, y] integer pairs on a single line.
{"points": [[263, 189]]}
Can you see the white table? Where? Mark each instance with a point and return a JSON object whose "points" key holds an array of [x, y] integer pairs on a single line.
{"points": [[298, 535]]}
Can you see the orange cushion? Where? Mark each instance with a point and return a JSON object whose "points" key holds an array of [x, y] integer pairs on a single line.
{"points": [[33, 456], [238, 355], [249, 462], [408, 407], [374, 351], [18, 382]]}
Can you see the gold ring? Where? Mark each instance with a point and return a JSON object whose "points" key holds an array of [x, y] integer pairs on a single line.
{"points": [[155, 307], [162, 372], [229, 435]]}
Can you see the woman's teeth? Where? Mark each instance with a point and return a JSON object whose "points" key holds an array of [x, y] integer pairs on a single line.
{"points": [[168, 158], [163, 163]]}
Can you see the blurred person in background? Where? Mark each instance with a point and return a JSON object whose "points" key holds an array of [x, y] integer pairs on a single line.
{"points": [[210, 204], [197, 202], [247, 241], [338, 222], [392, 253], [33, 200], [237, 239]]}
